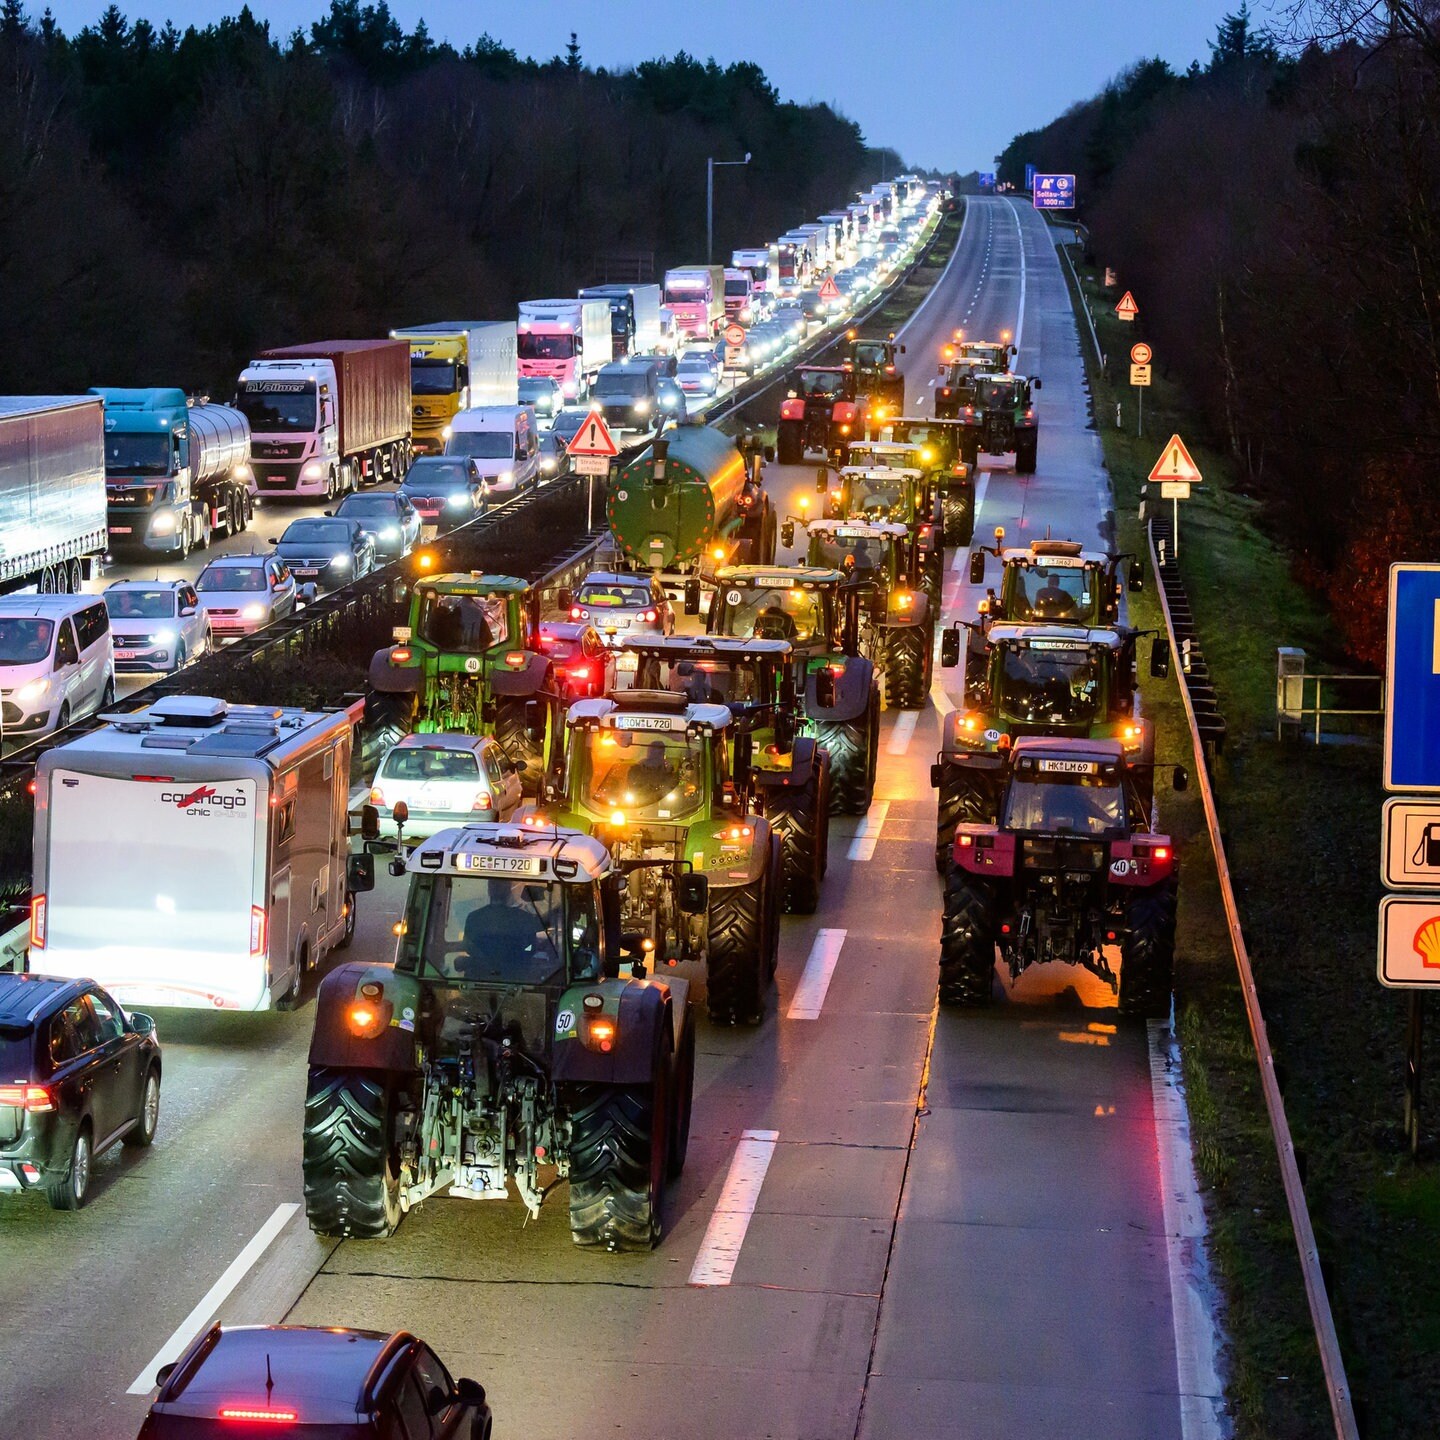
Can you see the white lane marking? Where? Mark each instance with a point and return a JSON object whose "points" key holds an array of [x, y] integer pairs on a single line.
{"points": [[1202, 1397], [862, 847], [725, 1234], [815, 982], [214, 1297], [939, 285], [1020, 318], [903, 732]]}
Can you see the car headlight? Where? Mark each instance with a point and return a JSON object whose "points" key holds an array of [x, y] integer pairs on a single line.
{"points": [[253, 612], [33, 691], [340, 562], [312, 470], [164, 637], [642, 407], [505, 477], [456, 502], [447, 432], [548, 463], [243, 471], [390, 532], [163, 524], [570, 389], [668, 402]]}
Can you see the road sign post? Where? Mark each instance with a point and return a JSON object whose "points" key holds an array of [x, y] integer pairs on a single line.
{"points": [[591, 450], [1140, 356], [1175, 472]]}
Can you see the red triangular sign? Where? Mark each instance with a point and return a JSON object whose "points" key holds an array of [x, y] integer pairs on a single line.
{"points": [[593, 438], [830, 290], [1127, 305], [1175, 463]]}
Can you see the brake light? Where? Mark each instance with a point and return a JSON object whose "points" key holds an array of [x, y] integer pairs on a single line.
{"points": [[576, 613], [400, 655], [578, 672], [34, 1098], [483, 801], [37, 922], [600, 1032], [377, 795], [1161, 852], [261, 1417], [965, 841], [257, 930], [515, 659], [651, 616]]}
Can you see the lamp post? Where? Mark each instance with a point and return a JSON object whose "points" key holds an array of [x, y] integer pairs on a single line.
{"points": [[710, 165]]}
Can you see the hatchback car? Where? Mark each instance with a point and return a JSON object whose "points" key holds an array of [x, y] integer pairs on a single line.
{"points": [[241, 593], [387, 517], [445, 780], [544, 394], [447, 490], [327, 552], [77, 1075], [249, 1381], [621, 605], [582, 664], [156, 625], [554, 445], [697, 373]]}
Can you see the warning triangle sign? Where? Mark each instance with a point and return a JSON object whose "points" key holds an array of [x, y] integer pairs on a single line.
{"points": [[593, 438], [1126, 308], [1175, 463], [829, 290]]}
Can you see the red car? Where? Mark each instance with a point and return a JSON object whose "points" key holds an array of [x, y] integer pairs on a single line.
{"points": [[580, 657]]}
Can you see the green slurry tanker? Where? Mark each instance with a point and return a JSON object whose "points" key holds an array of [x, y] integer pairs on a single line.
{"points": [[691, 499]]}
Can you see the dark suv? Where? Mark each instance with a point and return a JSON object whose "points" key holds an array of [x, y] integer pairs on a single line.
{"points": [[77, 1074], [258, 1382]]}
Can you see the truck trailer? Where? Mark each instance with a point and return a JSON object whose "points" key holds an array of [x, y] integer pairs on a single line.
{"points": [[52, 491], [175, 473], [457, 365], [327, 417], [194, 853], [566, 341]]}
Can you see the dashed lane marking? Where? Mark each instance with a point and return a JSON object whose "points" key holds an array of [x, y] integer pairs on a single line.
{"points": [[720, 1249], [815, 981], [903, 733], [862, 847]]}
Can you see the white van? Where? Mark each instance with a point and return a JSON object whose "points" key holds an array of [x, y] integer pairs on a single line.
{"points": [[504, 442], [57, 662]]}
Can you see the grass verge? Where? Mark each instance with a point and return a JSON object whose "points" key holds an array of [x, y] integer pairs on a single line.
{"points": [[1300, 826]]}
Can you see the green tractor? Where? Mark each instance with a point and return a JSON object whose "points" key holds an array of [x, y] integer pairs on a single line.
{"points": [[1056, 581], [897, 624], [789, 773], [659, 778], [877, 372], [999, 418], [504, 1043], [1063, 680], [818, 614], [939, 443], [467, 663], [961, 363]]}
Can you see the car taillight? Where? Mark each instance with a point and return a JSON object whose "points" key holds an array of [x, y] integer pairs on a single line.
{"points": [[576, 613], [257, 930], [37, 922], [483, 800], [651, 616], [577, 672], [377, 795], [34, 1098], [1161, 852], [261, 1417]]}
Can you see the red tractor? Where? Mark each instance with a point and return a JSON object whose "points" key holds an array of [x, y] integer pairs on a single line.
{"points": [[822, 411]]}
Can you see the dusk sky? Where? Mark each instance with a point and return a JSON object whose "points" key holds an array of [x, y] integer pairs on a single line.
{"points": [[946, 83]]}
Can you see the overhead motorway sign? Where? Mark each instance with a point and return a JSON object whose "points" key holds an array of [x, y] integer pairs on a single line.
{"points": [[1410, 847], [1054, 192], [1409, 942], [1412, 690], [593, 438]]}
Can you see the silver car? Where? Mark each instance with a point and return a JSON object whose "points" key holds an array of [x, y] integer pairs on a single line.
{"points": [[157, 625], [241, 593], [618, 605]]}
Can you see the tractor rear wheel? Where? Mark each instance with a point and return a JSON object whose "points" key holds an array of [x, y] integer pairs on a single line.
{"points": [[800, 816], [967, 941], [512, 731], [390, 715], [738, 952], [619, 1136], [790, 442], [959, 521], [350, 1161], [966, 797], [853, 746], [905, 668], [1147, 954], [1026, 449]]}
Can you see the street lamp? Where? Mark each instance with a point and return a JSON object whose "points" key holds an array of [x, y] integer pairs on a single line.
{"points": [[710, 165]]}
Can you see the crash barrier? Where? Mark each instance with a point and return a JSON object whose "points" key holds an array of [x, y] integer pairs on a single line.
{"points": [[1190, 658], [14, 939], [1302, 696], [1342, 1412]]}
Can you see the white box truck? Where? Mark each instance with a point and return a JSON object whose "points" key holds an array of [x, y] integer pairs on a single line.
{"points": [[194, 853]]}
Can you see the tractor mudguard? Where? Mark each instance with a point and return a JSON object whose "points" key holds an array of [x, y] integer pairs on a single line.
{"points": [[916, 615], [802, 762], [390, 1043], [978, 747], [637, 1007], [522, 680], [853, 688], [744, 870], [394, 679], [1142, 861], [984, 850]]}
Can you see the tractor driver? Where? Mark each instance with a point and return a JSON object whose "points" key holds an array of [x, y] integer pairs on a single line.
{"points": [[773, 623], [1053, 600], [507, 939], [655, 775]]}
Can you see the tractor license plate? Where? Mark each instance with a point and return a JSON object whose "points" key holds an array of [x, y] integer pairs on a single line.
{"points": [[627, 664]]}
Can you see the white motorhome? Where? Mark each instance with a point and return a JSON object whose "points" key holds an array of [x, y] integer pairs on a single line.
{"points": [[194, 853]]}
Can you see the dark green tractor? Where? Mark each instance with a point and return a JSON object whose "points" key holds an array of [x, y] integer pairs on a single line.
{"points": [[940, 446], [1000, 418], [1056, 581]]}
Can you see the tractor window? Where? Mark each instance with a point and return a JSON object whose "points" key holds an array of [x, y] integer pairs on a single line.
{"points": [[1053, 687], [858, 556], [878, 494], [484, 930], [755, 612], [992, 394], [1074, 804], [1043, 592], [714, 682], [582, 923], [470, 623], [644, 776], [822, 384]]}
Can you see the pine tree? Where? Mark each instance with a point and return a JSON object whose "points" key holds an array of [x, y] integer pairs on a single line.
{"points": [[572, 54]]}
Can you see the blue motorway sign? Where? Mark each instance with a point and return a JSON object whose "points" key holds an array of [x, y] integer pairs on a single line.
{"points": [[987, 179], [1054, 192], [1412, 694], [1029, 177]]}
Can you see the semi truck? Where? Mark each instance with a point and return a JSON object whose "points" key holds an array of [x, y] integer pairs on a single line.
{"points": [[793, 265], [194, 853], [175, 473], [634, 317], [327, 417], [457, 365], [696, 293], [818, 237], [52, 491], [739, 296], [566, 341], [760, 266]]}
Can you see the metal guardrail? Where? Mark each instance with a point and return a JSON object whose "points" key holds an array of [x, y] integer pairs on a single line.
{"points": [[1327, 1342], [1293, 704]]}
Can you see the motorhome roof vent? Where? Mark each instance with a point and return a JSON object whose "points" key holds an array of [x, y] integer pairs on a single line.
{"points": [[194, 712]]}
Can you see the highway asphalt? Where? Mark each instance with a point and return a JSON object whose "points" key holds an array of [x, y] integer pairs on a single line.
{"points": [[892, 1222]]}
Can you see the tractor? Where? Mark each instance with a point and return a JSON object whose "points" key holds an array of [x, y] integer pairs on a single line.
{"points": [[940, 446], [823, 411], [961, 363], [877, 374], [1055, 581], [1000, 417]]}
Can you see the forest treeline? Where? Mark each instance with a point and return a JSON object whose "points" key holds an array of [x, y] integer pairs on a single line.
{"points": [[1276, 212], [171, 201]]}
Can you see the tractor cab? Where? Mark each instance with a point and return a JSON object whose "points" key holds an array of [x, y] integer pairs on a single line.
{"points": [[1055, 581]]}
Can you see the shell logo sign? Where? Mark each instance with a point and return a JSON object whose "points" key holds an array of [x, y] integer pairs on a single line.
{"points": [[1427, 943], [1409, 957]]}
